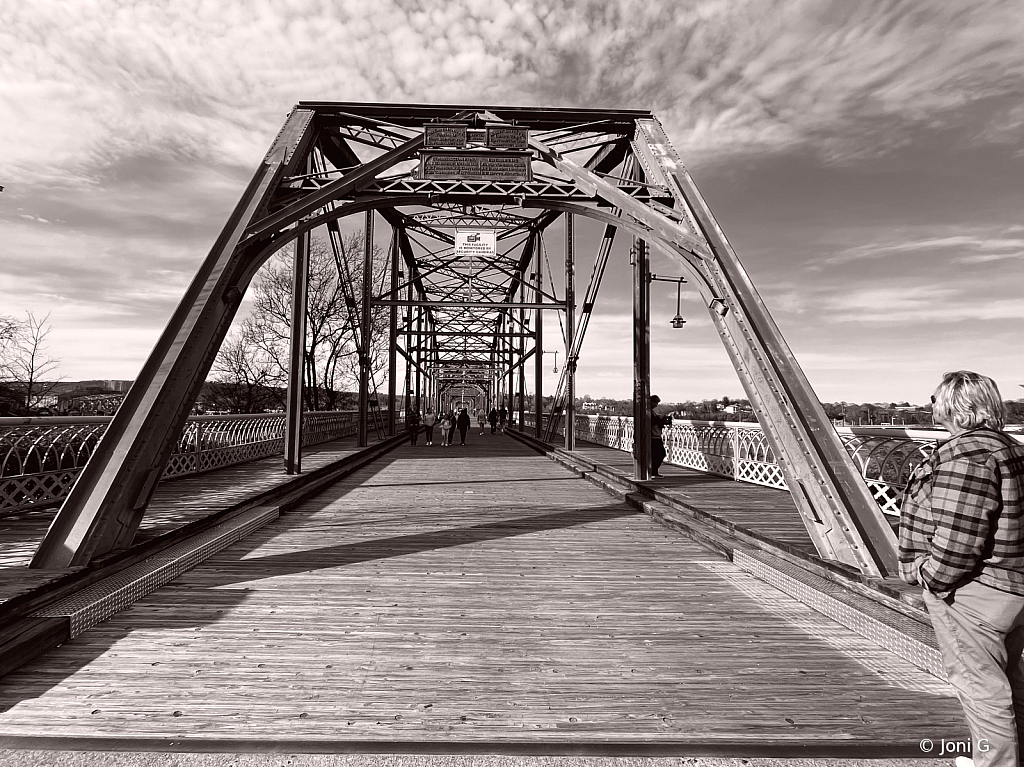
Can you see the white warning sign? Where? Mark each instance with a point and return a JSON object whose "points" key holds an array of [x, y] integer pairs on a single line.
{"points": [[476, 243]]}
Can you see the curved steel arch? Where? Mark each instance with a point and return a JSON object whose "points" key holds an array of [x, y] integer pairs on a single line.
{"points": [[282, 202]]}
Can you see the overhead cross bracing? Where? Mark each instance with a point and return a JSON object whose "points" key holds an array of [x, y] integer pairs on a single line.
{"points": [[429, 173]]}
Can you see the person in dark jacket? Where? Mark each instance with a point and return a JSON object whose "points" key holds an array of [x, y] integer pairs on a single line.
{"points": [[463, 423], [502, 417], [493, 418], [412, 421], [962, 541], [658, 423]]}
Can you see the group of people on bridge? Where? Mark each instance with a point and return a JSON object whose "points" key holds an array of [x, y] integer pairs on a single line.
{"points": [[449, 422]]}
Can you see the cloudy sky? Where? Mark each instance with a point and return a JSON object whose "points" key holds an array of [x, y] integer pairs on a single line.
{"points": [[866, 159]]}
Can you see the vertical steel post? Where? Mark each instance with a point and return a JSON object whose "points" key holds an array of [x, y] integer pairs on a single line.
{"points": [[393, 337], [570, 332], [419, 358], [407, 321], [641, 362], [364, 357], [522, 354], [510, 384], [538, 345], [296, 358]]}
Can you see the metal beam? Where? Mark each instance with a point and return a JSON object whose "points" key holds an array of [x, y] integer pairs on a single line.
{"points": [[104, 508], [362, 436], [296, 358], [570, 331], [838, 511], [470, 304], [393, 338], [641, 363]]}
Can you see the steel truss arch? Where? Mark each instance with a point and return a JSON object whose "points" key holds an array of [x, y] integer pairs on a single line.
{"points": [[652, 198]]}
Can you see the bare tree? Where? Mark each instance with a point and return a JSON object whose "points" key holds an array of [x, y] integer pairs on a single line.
{"points": [[330, 359], [244, 378], [26, 362]]}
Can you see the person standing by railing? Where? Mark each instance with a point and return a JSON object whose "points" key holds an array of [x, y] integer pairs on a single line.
{"points": [[962, 540], [658, 422]]}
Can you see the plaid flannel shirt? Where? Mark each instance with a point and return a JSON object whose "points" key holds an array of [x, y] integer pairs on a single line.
{"points": [[963, 515]]}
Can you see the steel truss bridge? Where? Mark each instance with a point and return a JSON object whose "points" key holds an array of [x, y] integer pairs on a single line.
{"points": [[467, 327]]}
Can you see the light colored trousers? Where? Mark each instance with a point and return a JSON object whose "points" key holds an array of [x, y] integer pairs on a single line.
{"points": [[980, 631]]}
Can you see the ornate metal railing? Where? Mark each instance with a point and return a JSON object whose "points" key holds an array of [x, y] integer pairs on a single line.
{"points": [[885, 457], [40, 457]]}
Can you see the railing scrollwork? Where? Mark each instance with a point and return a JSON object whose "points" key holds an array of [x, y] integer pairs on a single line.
{"points": [[40, 458], [886, 458]]}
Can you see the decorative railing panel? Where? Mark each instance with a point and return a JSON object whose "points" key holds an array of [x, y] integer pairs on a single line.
{"points": [[40, 457], [886, 458]]}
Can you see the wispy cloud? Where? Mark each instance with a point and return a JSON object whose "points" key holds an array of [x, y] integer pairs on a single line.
{"points": [[972, 248], [81, 88]]}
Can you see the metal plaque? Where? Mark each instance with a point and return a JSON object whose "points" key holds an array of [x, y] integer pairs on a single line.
{"points": [[508, 136], [476, 166], [445, 134]]}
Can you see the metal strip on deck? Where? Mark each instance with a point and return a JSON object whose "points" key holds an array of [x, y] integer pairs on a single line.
{"points": [[111, 595], [902, 636]]}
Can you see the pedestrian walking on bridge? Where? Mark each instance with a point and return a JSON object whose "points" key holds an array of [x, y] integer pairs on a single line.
{"points": [[452, 421], [463, 422], [446, 426], [962, 540], [429, 419], [412, 421], [493, 418]]}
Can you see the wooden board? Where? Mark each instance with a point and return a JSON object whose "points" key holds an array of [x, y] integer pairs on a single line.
{"points": [[473, 593]]}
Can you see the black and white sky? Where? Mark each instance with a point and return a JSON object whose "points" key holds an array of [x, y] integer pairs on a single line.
{"points": [[866, 159]]}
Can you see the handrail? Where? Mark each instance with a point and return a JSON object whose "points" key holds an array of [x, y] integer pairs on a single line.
{"points": [[886, 457], [40, 457]]}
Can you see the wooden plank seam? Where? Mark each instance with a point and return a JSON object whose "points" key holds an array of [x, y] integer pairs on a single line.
{"points": [[111, 595]]}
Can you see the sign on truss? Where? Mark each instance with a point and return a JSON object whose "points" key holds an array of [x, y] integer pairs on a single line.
{"points": [[442, 135], [508, 136], [476, 165], [476, 243]]}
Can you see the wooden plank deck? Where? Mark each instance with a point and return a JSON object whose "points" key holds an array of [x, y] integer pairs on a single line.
{"points": [[175, 503], [765, 510], [478, 593]]}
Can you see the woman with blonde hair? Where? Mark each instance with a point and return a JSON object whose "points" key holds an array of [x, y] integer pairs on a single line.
{"points": [[962, 540]]}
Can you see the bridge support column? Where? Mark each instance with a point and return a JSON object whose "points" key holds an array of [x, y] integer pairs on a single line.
{"points": [[510, 386], [296, 358], [641, 362], [570, 333], [538, 345], [522, 355], [393, 338], [362, 438], [419, 359]]}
